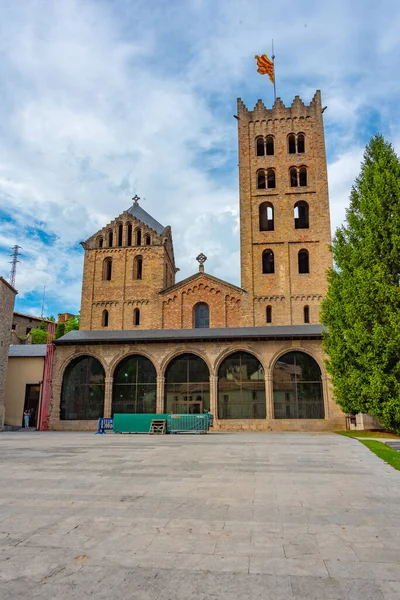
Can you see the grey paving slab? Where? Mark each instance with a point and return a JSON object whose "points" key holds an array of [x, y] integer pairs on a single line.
{"points": [[268, 515]]}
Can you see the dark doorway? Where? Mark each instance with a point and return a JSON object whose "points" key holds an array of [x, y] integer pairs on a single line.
{"points": [[32, 395]]}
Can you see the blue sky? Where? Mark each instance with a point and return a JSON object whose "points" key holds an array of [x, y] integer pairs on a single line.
{"points": [[106, 98]]}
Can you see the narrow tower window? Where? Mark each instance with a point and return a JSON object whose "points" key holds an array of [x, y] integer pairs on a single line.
{"points": [[110, 239], [304, 261], [270, 145], [104, 318], [292, 143], [100, 242], [120, 232], [107, 269], [269, 314], [301, 145], [136, 317], [301, 215], [268, 265], [303, 176], [138, 237], [138, 267], [260, 149], [129, 235], [271, 178], [306, 314], [261, 180], [293, 177], [147, 240], [266, 214]]}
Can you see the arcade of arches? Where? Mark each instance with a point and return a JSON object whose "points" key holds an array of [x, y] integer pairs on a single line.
{"points": [[235, 385]]}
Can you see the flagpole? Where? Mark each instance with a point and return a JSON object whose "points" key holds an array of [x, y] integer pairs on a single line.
{"points": [[273, 61]]}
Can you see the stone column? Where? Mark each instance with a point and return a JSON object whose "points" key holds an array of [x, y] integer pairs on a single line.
{"points": [[54, 405], [269, 396], [108, 396], [214, 395], [160, 394]]}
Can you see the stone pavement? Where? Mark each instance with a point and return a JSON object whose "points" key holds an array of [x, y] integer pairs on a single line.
{"points": [[221, 516]]}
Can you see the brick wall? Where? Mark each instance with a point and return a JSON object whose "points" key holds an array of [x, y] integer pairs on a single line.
{"points": [[7, 299]]}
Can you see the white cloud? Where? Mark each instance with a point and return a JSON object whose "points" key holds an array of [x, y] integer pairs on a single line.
{"points": [[102, 100]]}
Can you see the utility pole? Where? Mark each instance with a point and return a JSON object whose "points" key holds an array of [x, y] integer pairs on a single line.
{"points": [[14, 262]]}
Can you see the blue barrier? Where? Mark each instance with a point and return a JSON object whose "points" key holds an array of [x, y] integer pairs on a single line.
{"points": [[104, 424]]}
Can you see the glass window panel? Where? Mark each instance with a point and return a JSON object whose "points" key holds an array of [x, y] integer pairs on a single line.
{"points": [[135, 386], [187, 385], [82, 394], [241, 388]]}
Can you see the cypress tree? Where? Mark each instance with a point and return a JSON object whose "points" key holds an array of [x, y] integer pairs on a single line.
{"points": [[362, 306]]}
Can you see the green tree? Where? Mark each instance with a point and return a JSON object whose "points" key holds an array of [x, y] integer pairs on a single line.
{"points": [[362, 306], [39, 336], [72, 323], [60, 330]]}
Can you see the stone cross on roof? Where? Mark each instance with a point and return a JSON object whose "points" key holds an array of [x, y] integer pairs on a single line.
{"points": [[136, 199], [201, 259]]}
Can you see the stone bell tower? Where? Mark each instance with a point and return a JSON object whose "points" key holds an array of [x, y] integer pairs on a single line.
{"points": [[284, 211]]}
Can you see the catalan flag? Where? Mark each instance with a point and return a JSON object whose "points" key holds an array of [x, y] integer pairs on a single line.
{"points": [[265, 66]]}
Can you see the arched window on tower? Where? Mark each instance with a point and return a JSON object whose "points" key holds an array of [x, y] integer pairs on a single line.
{"points": [[136, 317], [306, 314], [104, 318], [147, 240], [292, 143], [120, 234], [268, 264], [107, 269], [110, 239], [100, 242], [270, 145], [304, 261], [303, 176], [271, 179], [260, 147], [201, 316], [138, 237], [266, 215], [129, 235], [138, 267], [301, 215], [293, 177], [301, 143], [261, 180], [269, 314]]}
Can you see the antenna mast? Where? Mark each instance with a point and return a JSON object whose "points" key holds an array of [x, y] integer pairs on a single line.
{"points": [[44, 293], [14, 262]]}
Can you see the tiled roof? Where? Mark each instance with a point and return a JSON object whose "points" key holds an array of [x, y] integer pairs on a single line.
{"points": [[288, 332], [26, 350], [139, 213]]}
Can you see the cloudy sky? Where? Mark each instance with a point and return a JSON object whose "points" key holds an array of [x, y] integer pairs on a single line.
{"points": [[102, 99]]}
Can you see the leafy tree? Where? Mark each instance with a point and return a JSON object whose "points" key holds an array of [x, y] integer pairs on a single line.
{"points": [[51, 318], [362, 307], [72, 323], [60, 330], [39, 336]]}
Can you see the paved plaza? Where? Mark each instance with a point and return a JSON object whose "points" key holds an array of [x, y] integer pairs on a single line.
{"points": [[221, 516]]}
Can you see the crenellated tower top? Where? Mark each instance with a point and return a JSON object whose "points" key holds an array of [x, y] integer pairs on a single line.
{"points": [[280, 111]]}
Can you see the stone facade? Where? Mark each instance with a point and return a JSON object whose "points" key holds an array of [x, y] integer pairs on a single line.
{"points": [[285, 290], [7, 299], [213, 353], [129, 277]]}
